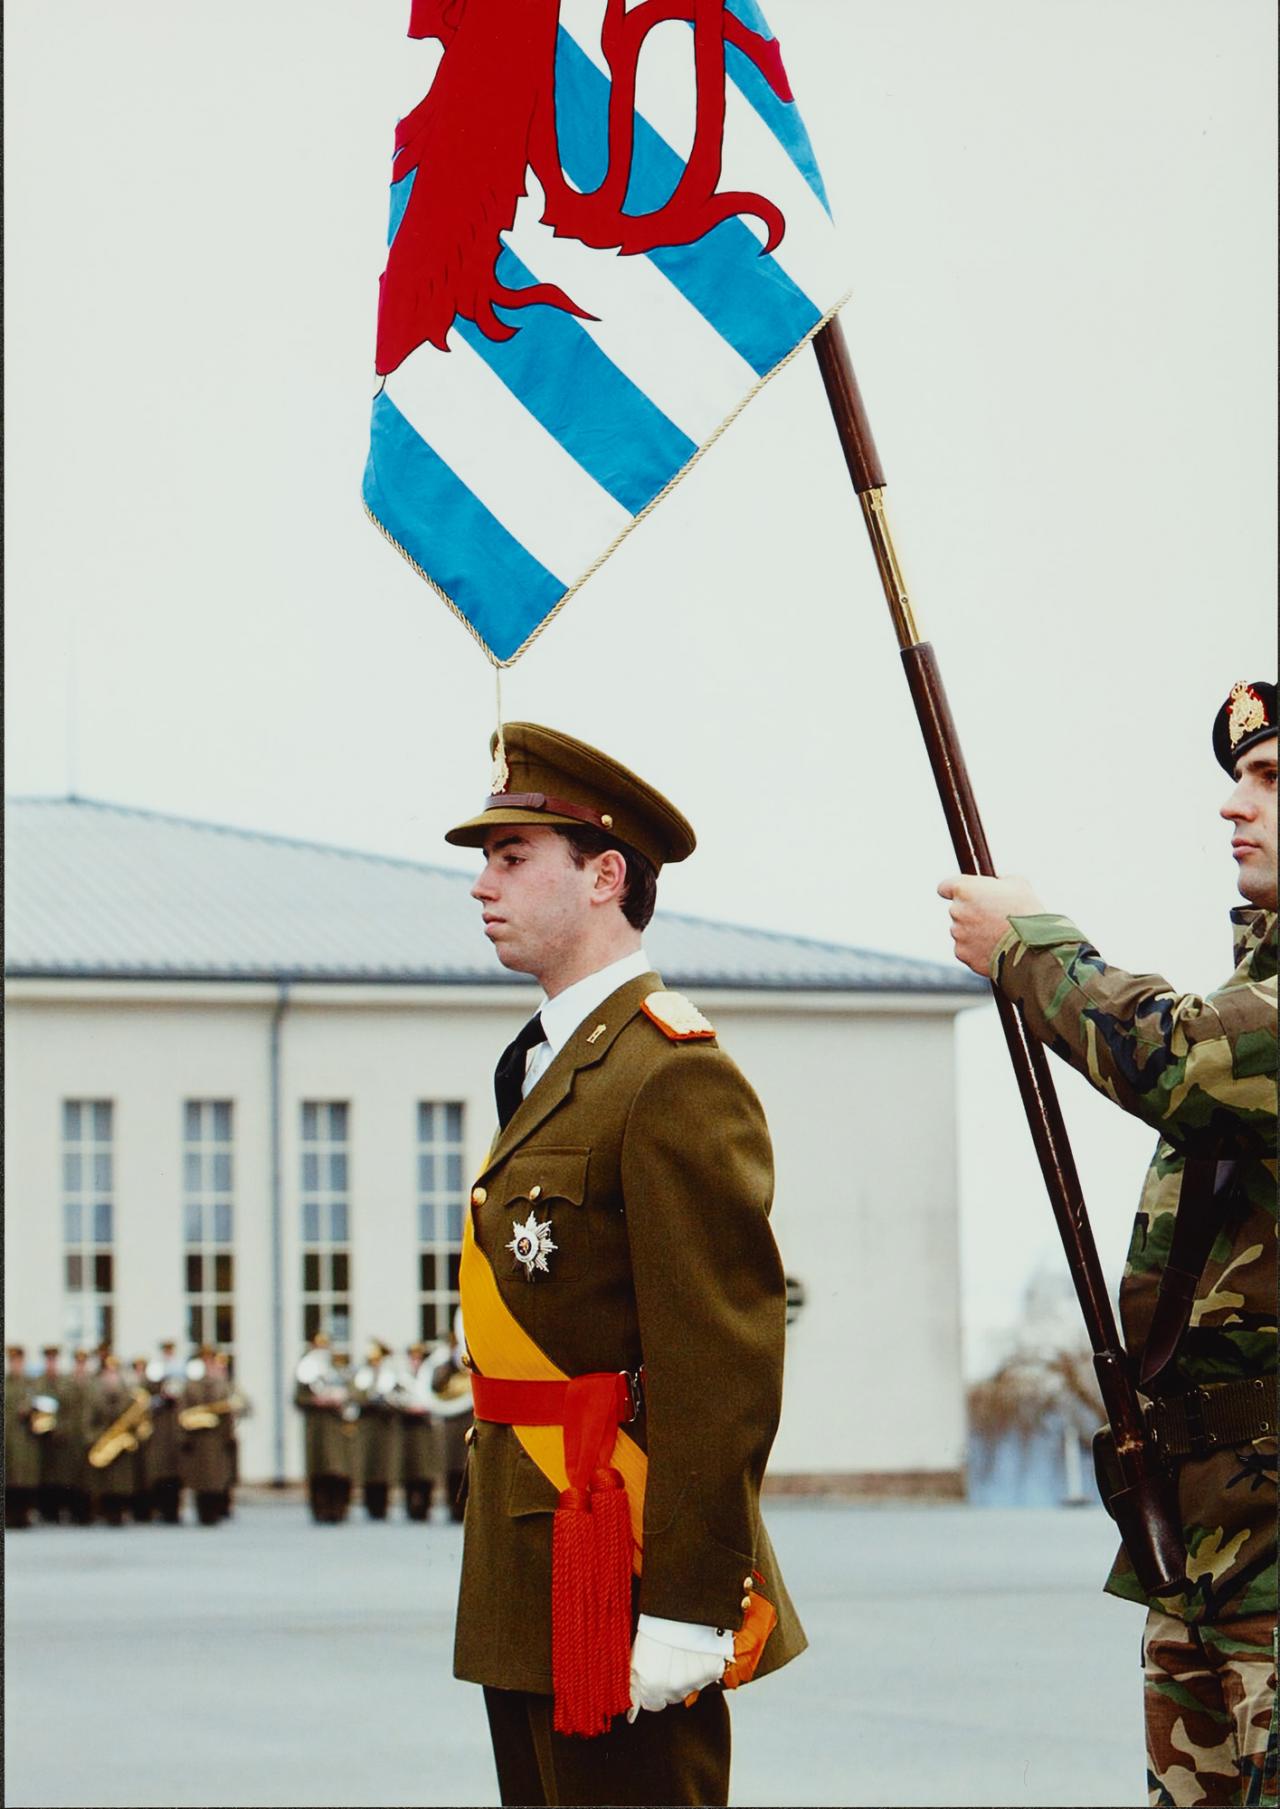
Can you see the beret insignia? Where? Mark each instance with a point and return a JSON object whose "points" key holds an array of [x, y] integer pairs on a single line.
{"points": [[1247, 713], [677, 1018]]}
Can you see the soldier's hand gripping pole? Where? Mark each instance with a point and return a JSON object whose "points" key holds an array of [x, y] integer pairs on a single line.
{"points": [[1143, 1505]]}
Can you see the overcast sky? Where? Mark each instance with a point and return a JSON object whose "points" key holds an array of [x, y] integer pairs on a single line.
{"points": [[1059, 222]]}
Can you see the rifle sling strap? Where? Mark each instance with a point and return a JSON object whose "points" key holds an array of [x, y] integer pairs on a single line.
{"points": [[1206, 1184]]}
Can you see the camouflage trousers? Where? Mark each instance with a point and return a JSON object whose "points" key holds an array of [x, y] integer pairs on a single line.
{"points": [[1209, 1696]]}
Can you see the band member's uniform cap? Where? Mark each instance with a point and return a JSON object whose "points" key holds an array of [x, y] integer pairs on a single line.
{"points": [[1248, 716], [542, 776]]}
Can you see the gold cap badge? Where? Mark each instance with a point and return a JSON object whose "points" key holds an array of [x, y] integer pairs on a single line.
{"points": [[1247, 713]]}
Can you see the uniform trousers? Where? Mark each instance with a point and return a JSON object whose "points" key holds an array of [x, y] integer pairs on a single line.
{"points": [[1209, 1696], [680, 1755]]}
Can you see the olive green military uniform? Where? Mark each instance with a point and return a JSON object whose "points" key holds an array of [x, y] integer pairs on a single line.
{"points": [[647, 1160], [21, 1450], [52, 1497], [452, 1428], [205, 1456], [66, 1463], [332, 1455], [378, 1436], [417, 1443], [111, 1484], [164, 1448]]}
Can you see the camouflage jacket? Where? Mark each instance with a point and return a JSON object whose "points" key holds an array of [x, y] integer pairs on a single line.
{"points": [[1201, 1072]]}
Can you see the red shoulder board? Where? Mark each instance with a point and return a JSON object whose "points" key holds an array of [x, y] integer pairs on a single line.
{"points": [[677, 1018]]}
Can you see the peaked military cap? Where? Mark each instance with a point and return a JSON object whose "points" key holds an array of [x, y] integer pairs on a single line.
{"points": [[1248, 716], [541, 776]]}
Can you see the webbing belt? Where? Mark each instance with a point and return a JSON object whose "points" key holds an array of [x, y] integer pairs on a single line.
{"points": [[1214, 1418]]}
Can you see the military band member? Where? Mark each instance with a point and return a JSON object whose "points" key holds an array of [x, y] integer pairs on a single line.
{"points": [[203, 1430], [624, 1309], [1198, 1299], [163, 1448], [55, 1448], [332, 1419], [451, 1396], [110, 1416], [220, 1369], [21, 1446], [76, 1395], [378, 1428], [141, 1501], [417, 1443]]}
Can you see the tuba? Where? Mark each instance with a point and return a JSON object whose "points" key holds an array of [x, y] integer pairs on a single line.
{"points": [[125, 1433], [449, 1382]]}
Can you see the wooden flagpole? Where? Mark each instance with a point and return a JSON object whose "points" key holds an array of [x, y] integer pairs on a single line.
{"points": [[1145, 1507]]}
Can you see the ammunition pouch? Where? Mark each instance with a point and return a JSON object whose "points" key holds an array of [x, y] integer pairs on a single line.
{"points": [[1217, 1417]]}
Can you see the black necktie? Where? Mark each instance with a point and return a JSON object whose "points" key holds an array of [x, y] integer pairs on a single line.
{"points": [[508, 1076]]}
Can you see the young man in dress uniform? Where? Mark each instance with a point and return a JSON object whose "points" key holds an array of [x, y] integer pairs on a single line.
{"points": [[1198, 1299], [624, 1309]]}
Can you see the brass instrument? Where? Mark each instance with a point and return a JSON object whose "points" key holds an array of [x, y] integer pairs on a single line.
{"points": [[205, 1415], [44, 1415], [125, 1433], [449, 1383]]}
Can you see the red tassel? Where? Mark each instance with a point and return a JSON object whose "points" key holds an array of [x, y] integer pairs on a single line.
{"points": [[571, 1630], [591, 1606], [611, 1549]]}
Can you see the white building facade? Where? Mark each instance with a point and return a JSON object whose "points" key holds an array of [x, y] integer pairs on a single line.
{"points": [[249, 1081]]}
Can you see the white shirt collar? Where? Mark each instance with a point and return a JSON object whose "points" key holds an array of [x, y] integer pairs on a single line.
{"points": [[562, 1015]]}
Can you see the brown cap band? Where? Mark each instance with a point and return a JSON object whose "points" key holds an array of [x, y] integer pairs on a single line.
{"points": [[538, 800]]}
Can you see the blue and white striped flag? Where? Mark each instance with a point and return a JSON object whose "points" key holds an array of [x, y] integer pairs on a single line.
{"points": [[605, 238]]}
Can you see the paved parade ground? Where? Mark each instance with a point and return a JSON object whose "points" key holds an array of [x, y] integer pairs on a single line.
{"points": [[958, 1656]]}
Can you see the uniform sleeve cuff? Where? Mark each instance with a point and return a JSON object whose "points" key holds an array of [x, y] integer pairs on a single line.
{"points": [[1045, 930], [687, 1636]]}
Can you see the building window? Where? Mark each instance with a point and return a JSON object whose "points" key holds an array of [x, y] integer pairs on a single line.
{"points": [[326, 1222], [208, 1221], [88, 1220], [440, 1203]]}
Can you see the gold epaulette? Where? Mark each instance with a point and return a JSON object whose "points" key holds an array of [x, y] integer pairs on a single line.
{"points": [[677, 1018]]}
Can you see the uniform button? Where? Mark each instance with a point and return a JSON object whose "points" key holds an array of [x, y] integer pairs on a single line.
{"points": [[468, 1436], [478, 1196], [746, 1601], [535, 1193], [748, 1582]]}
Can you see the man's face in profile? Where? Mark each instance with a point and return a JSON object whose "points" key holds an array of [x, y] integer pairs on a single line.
{"points": [[1251, 811]]}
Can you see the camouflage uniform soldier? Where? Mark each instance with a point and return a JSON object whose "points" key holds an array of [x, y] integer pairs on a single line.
{"points": [[1201, 1072], [21, 1448]]}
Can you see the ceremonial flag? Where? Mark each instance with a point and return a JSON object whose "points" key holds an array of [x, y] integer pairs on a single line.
{"points": [[608, 231]]}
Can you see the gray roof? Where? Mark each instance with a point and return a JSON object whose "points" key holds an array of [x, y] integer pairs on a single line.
{"points": [[104, 891]]}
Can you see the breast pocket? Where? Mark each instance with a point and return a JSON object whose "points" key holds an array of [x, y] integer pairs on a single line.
{"points": [[541, 1233]]}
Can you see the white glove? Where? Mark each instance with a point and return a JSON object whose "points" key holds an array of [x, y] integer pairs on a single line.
{"points": [[664, 1670]]}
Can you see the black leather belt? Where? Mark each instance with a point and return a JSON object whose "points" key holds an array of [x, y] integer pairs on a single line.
{"points": [[1217, 1417]]}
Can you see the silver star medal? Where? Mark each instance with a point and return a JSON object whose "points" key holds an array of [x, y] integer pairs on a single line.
{"points": [[531, 1245]]}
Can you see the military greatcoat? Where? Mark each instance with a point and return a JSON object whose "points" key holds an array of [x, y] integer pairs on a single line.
{"points": [[649, 1161]]}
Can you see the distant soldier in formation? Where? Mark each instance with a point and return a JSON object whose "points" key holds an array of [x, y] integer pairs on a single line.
{"points": [[372, 1389], [141, 1502], [322, 1392], [165, 1379], [451, 1391], [111, 1414], [73, 1423], [21, 1448], [417, 1437], [55, 1448], [203, 1419]]}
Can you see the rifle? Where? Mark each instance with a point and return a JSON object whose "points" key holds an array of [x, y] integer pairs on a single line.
{"points": [[1144, 1506]]}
